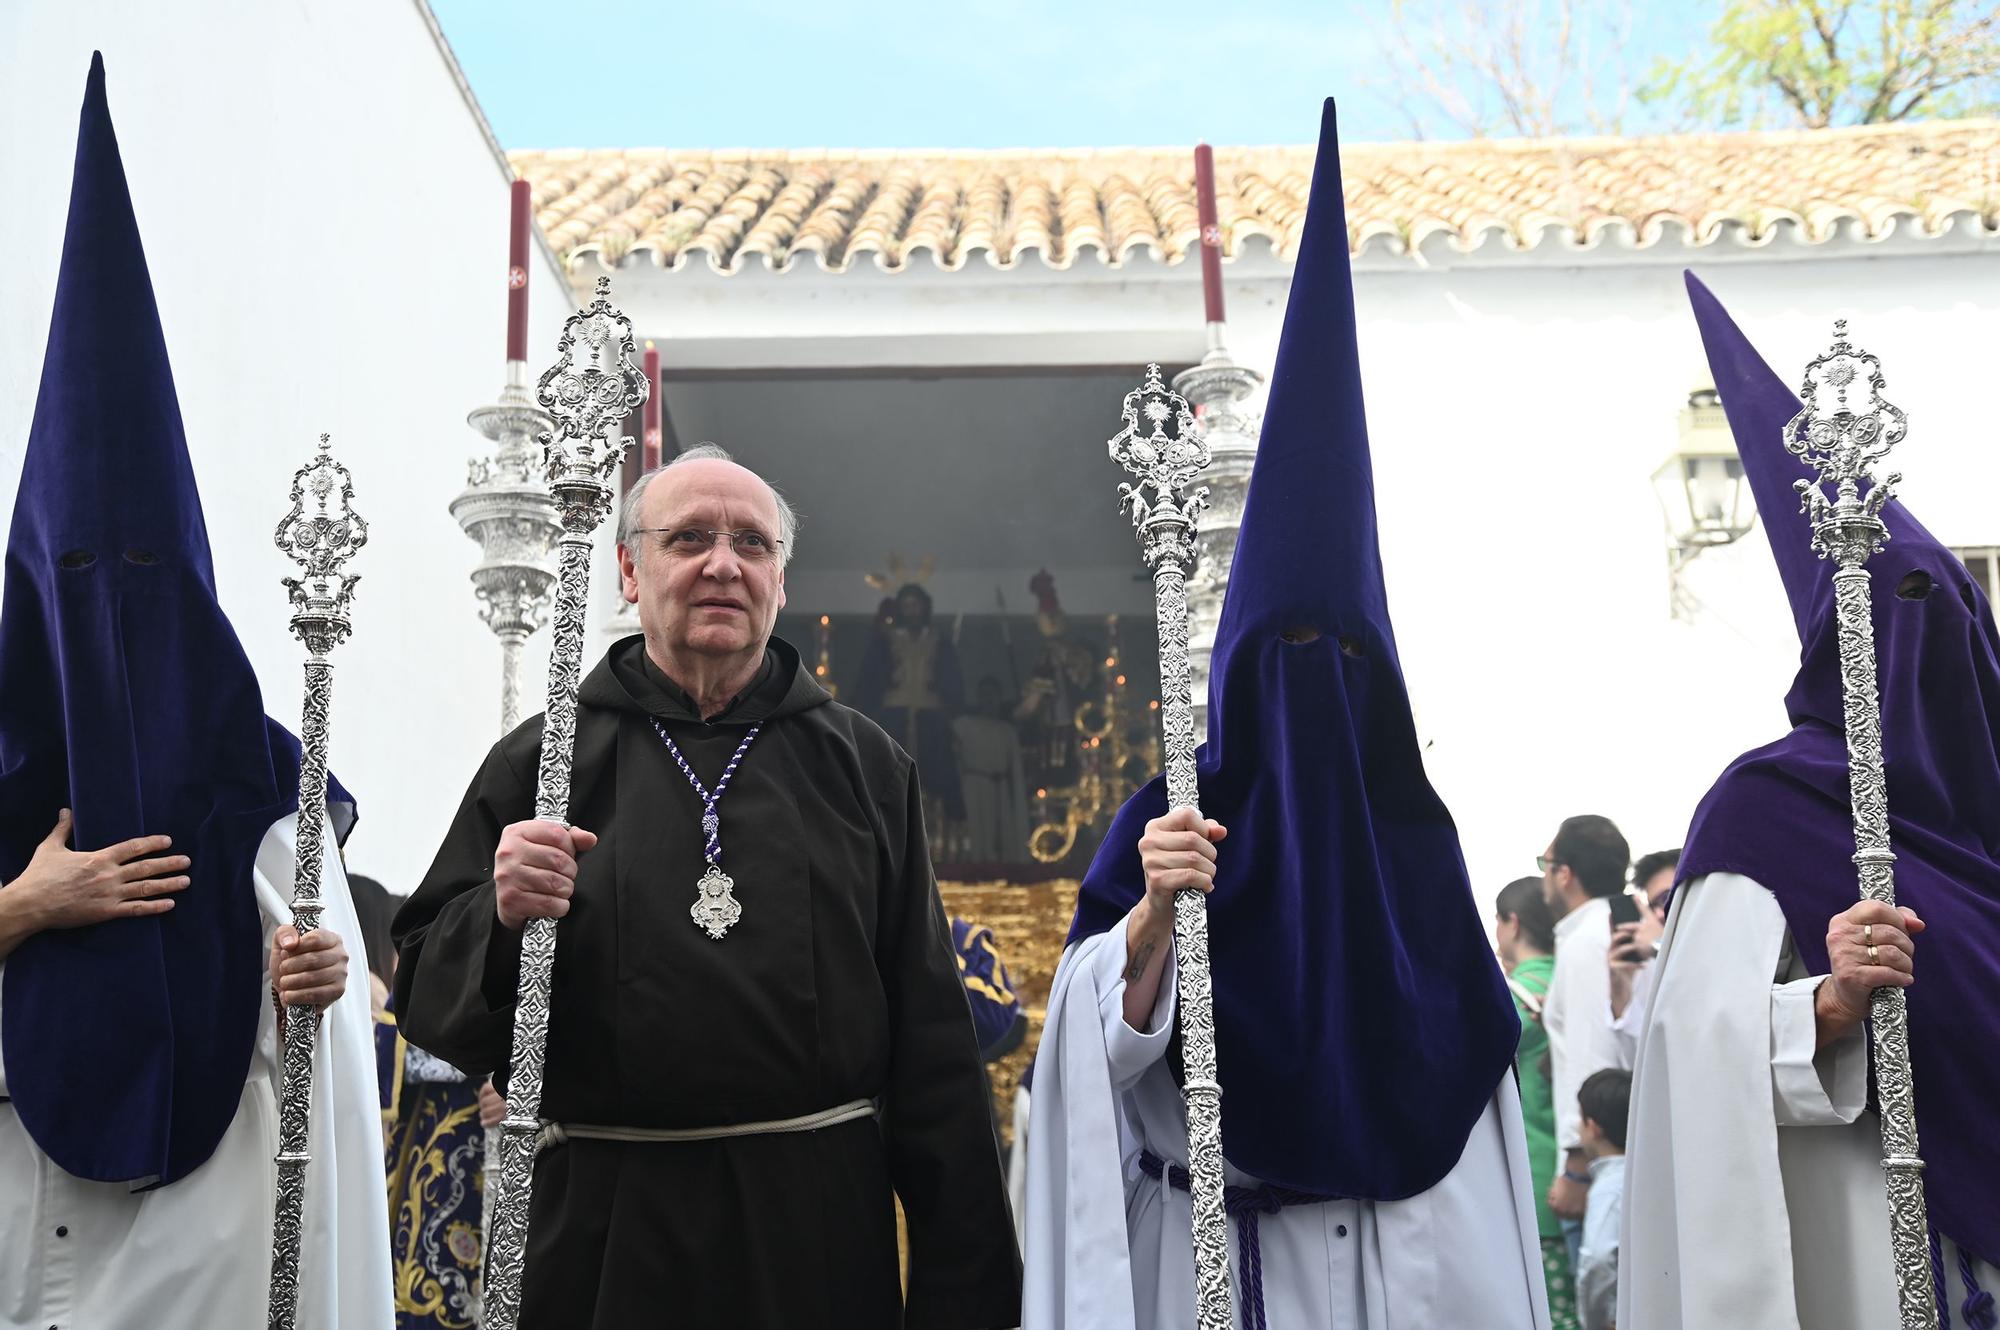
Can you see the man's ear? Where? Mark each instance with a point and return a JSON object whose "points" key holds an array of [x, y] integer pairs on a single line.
{"points": [[628, 576]]}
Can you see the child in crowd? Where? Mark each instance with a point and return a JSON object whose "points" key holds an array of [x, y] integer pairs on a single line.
{"points": [[1604, 1099]]}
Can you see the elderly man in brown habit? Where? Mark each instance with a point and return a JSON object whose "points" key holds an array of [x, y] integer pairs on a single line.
{"points": [[757, 1030]]}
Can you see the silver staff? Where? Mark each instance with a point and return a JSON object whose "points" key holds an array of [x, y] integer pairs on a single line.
{"points": [[589, 391], [1841, 443], [320, 534], [1166, 462]]}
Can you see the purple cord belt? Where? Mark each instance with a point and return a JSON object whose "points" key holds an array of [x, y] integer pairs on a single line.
{"points": [[1243, 1204]]}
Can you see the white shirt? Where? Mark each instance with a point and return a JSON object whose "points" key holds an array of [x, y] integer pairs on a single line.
{"points": [[1754, 1193], [196, 1254], [1577, 1015], [1109, 1248]]}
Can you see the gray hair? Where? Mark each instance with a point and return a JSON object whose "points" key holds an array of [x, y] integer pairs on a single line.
{"points": [[628, 515]]}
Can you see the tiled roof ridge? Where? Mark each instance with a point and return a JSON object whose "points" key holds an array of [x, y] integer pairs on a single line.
{"points": [[738, 206]]}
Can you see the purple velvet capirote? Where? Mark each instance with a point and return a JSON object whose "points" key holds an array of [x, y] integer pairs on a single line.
{"points": [[1781, 814], [1361, 1019], [125, 696]]}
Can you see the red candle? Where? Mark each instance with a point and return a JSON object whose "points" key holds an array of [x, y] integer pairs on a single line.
{"points": [[1211, 231], [650, 454], [517, 273]]}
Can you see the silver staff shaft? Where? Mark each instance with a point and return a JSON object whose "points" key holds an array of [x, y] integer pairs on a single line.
{"points": [[1841, 442], [320, 533], [589, 391], [1165, 461]]}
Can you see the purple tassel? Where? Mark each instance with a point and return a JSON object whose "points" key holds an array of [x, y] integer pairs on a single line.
{"points": [[1978, 1305]]}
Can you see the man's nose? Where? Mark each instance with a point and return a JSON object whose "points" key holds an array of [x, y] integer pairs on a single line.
{"points": [[722, 565]]}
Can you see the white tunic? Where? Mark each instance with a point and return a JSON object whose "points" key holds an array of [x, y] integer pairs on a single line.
{"points": [[1108, 1247], [1753, 1186], [1577, 1015], [196, 1254]]}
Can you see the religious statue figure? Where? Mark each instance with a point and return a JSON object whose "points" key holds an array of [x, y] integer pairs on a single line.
{"points": [[1064, 678], [991, 779], [910, 684]]}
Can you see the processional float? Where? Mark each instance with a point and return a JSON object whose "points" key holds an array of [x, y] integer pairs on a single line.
{"points": [[590, 390], [320, 533], [1841, 442]]}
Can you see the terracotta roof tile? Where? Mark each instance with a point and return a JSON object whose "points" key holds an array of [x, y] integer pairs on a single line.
{"points": [[1120, 206]]}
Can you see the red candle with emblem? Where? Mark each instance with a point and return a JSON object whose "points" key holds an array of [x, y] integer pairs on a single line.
{"points": [[1211, 231], [650, 450], [517, 273]]}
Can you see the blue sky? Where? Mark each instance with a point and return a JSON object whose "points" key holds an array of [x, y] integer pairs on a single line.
{"points": [[1024, 73]]}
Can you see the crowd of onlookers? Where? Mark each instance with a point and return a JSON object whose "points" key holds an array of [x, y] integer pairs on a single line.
{"points": [[1577, 943]]}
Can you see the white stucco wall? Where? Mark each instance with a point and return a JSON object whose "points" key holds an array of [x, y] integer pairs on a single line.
{"points": [[327, 231], [1518, 406]]}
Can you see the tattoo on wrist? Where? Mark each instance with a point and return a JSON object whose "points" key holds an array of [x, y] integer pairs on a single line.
{"points": [[1137, 965]]}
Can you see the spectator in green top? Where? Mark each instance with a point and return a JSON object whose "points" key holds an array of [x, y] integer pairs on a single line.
{"points": [[1525, 932]]}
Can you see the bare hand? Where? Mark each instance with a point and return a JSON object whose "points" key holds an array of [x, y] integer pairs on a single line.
{"points": [[492, 1108], [1888, 932], [534, 871], [309, 970], [1178, 852], [65, 888], [1568, 1199]]}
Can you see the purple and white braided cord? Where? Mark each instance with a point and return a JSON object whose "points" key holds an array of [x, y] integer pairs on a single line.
{"points": [[711, 821]]}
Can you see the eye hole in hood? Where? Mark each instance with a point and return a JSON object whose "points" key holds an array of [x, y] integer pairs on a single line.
{"points": [[77, 559]]}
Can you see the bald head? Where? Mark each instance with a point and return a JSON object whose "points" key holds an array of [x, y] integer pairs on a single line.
{"points": [[707, 468]]}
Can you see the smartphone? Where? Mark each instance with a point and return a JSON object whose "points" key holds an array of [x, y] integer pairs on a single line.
{"points": [[1624, 908]]}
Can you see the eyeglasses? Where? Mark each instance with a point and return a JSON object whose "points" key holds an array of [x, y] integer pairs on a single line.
{"points": [[750, 544], [1546, 864]]}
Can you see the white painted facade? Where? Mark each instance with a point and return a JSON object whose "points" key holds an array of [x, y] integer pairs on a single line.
{"points": [[323, 212]]}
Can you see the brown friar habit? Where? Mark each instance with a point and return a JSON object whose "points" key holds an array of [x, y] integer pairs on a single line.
{"points": [[837, 984]]}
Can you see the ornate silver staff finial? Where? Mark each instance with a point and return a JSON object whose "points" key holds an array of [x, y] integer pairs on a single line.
{"points": [[320, 534], [1841, 440], [592, 387], [1161, 446]]}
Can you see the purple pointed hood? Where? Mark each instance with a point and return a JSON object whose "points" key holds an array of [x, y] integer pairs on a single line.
{"points": [[1347, 951], [1782, 814], [125, 696]]}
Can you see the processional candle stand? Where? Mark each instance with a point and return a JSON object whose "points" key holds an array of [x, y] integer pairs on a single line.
{"points": [[320, 533], [1841, 441], [1217, 388], [1161, 446], [506, 506], [590, 390]]}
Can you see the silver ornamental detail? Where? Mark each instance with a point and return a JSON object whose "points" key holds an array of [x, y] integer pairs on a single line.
{"points": [[320, 534], [506, 507], [590, 390], [1162, 448], [715, 907], [1218, 389], [1843, 429]]}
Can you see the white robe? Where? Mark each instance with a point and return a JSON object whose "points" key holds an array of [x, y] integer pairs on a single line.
{"points": [[196, 1254], [1753, 1186], [1108, 1248]]}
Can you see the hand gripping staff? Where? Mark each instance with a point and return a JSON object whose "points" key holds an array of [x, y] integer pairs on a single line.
{"points": [[320, 533], [590, 390], [1165, 463], [1840, 441]]}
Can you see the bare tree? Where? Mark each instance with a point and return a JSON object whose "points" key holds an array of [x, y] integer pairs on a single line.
{"points": [[1535, 68], [1816, 63]]}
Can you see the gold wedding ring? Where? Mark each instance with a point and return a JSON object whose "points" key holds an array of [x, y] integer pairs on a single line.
{"points": [[1868, 934], [1871, 953]]}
